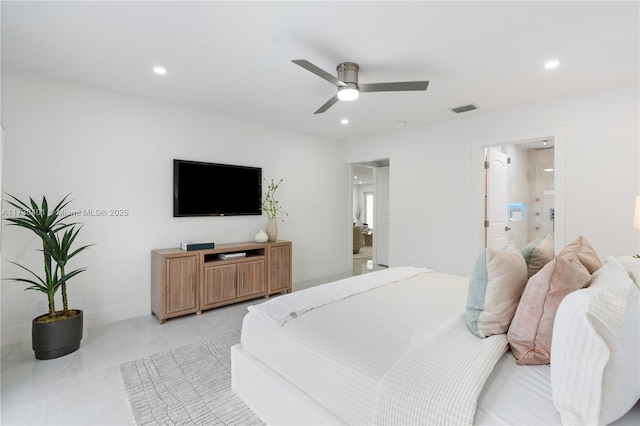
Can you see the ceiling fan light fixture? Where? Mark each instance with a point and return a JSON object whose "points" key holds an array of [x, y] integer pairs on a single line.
{"points": [[348, 93], [347, 83]]}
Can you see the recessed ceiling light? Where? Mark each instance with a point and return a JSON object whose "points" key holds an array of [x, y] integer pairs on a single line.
{"points": [[355, 177], [344, 121], [548, 170], [551, 64], [160, 70]]}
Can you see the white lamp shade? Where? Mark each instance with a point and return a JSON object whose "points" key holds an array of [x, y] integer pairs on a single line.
{"points": [[636, 216]]}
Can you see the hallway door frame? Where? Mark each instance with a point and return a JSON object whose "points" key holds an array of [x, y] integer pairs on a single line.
{"points": [[375, 164]]}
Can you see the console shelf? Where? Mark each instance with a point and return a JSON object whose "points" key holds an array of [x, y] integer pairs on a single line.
{"points": [[186, 282], [250, 254]]}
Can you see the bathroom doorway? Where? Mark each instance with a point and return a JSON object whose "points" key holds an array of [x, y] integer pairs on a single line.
{"points": [[519, 192]]}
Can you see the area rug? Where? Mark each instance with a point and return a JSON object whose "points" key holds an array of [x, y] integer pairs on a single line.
{"points": [[190, 385]]}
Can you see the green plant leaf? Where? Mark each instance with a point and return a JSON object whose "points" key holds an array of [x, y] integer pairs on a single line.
{"points": [[40, 284], [57, 238]]}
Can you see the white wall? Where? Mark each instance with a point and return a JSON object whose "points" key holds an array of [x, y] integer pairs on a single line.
{"points": [[115, 152], [434, 189]]}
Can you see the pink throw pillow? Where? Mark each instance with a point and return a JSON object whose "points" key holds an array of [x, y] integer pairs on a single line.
{"points": [[531, 330]]}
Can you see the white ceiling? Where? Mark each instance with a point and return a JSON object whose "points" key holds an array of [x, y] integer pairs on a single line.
{"points": [[234, 58]]}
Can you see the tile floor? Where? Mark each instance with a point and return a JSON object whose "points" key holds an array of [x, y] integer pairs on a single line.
{"points": [[87, 384]]}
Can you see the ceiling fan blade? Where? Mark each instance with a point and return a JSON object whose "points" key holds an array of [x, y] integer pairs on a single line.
{"points": [[318, 71], [327, 105], [394, 87]]}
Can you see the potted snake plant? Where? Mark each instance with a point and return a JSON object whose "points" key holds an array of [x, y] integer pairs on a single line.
{"points": [[58, 332]]}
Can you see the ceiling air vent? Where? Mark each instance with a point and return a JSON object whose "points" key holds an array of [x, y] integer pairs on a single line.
{"points": [[464, 108]]}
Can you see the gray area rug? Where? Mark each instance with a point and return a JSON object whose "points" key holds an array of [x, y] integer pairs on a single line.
{"points": [[190, 385]]}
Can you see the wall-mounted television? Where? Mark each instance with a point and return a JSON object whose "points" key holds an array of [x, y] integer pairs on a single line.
{"points": [[210, 189]]}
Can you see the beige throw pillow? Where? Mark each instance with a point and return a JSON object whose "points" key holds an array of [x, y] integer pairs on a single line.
{"points": [[541, 253], [495, 287], [587, 255]]}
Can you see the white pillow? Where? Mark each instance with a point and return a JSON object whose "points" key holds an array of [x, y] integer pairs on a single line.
{"points": [[595, 373], [632, 266]]}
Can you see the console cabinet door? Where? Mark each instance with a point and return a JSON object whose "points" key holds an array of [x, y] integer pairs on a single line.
{"points": [[181, 284], [251, 278], [280, 268], [220, 283]]}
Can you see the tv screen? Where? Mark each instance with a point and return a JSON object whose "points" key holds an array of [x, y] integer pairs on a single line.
{"points": [[209, 189]]}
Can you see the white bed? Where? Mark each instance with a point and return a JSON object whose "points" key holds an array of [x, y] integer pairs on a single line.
{"points": [[337, 363]]}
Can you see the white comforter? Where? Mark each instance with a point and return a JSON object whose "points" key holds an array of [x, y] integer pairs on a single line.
{"points": [[438, 382], [398, 353], [282, 309]]}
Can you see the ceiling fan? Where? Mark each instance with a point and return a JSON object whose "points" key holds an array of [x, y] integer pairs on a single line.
{"points": [[347, 83]]}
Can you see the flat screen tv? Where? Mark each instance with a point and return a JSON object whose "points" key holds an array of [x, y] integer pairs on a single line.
{"points": [[209, 189]]}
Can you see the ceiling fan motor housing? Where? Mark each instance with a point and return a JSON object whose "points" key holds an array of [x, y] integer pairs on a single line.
{"points": [[348, 73]]}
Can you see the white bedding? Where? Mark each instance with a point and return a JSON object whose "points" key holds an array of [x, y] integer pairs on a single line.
{"points": [[439, 380], [283, 309], [338, 355], [354, 341]]}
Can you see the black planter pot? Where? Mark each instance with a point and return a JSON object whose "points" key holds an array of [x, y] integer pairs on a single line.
{"points": [[56, 339]]}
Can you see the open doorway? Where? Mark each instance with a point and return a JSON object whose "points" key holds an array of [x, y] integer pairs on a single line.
{"points": [[555, 137], [370, 216], [519, 193]]}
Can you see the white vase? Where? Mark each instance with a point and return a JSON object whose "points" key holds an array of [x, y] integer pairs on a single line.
{"points": [[262, 237], [272, 228]]}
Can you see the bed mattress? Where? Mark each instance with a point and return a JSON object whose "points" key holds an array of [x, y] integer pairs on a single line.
{"points": [[337, 354]]}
